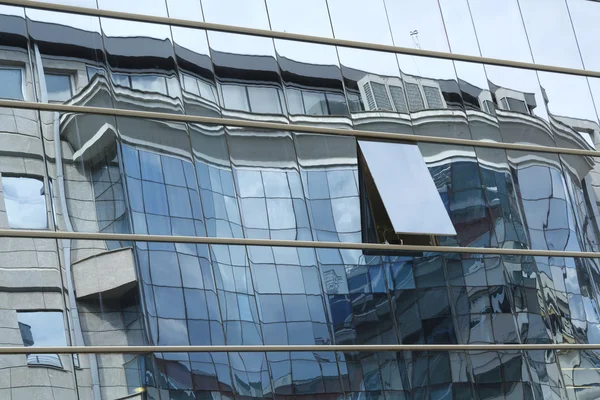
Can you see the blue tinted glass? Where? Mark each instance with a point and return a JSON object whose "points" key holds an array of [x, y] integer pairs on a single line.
{"points": [[134, 189], [317, 185], [151, 167], [191, 273], [173, 171], [179, 202], [173, 332], [200, 333], [164, 268], [271, 308], [169, 302], [155, 198], [195, 304], [296, 308]]}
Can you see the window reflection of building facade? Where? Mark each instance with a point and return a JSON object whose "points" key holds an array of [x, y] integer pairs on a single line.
{"points": [[86, 172]]}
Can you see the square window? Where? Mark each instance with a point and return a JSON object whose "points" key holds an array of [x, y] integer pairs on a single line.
{"points": [[42, 328], [59, 87], [25, 202]]}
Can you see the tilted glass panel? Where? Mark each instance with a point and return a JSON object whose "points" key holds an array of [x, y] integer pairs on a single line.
{"points": [[406, 188]]}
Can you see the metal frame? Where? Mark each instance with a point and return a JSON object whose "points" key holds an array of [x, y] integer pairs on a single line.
{"points": [[296, 37], [130, 237], [404, 137], [297, 128], [280, 348]]}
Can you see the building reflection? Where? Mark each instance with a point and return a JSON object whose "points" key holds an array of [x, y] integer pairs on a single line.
{"points": [[134, 175]]}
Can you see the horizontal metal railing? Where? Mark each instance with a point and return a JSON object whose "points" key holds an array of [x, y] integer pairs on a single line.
{"points": [[132, 237], [67, 108], [297, 37], [280, 348]]}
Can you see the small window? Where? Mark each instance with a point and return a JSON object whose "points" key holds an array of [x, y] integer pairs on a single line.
{"points": [[415, 99], [59, 87], [25, 203], [42, 328], [517, 105], [400, 201], [11, 83]]}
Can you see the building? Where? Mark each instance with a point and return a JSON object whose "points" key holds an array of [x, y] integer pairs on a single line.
{"points": [[86, 172]]}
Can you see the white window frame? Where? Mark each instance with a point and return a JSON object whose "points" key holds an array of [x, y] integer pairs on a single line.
{"points": [[23, 77], [280, 98], [502, 96], [213, 89]]}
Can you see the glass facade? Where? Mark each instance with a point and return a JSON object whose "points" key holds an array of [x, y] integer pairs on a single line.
{"points": [[85, 172]]}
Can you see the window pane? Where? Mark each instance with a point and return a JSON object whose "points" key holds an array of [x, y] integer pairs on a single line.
{"points": [[207, 91], [422, 212], [11, 86], [59, 87], [294, 98], [25, 203], [337, 104], [315, 103], [264, 100], [190, 85], [149, 83], [234, 97], [517, 105], [44, 328], [121, 80]]}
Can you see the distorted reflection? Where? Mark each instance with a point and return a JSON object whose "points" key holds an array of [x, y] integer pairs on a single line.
{"points": [[25, 202], [99, 173], [42, 329]]}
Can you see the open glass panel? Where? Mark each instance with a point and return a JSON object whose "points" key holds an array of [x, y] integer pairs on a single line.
{"points": [[400, 201]]}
